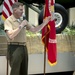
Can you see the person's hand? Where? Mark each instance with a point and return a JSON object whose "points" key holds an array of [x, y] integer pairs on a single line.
{"points": [[46, 20], [24, 23]]}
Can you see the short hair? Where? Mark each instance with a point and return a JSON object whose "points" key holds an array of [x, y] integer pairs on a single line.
{"points": [[16, 5]]}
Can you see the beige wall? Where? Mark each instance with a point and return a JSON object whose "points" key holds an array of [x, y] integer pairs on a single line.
{"points": [[72, 16], [33, 17]]}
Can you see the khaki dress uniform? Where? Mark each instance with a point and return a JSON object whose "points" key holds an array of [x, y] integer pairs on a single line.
{"points": [[17, 50]]}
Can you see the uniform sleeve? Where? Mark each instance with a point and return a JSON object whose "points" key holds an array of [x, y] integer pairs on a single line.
{"points": [[7, 25]]}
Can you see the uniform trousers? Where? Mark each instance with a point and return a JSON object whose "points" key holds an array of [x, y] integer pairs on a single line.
{"points": [[18, 59]]}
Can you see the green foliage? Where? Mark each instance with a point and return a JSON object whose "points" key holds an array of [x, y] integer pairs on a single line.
{"points": [[70, 30], [1, 27], [30, 34]]}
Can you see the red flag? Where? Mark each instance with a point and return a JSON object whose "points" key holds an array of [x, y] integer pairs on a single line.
{"points": [[49, 33], [7, 9]]}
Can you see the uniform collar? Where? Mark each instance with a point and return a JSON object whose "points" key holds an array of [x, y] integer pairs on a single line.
{"points": [[14, 19]]}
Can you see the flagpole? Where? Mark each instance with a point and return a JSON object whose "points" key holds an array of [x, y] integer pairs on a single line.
{"points": [[45, 53], [44, 59], [7, 67], [7, 64]]}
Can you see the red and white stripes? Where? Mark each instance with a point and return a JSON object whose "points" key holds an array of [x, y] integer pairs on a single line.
{"points": [[7, 10]]}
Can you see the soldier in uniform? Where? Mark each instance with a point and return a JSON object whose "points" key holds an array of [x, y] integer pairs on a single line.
{"points": [[15, 30]]}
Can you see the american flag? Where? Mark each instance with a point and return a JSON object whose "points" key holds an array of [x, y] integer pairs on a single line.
{"points": [[7, 9]]}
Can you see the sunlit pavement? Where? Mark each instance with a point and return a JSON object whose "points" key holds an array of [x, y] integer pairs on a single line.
{"points": [[3, 66]]}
